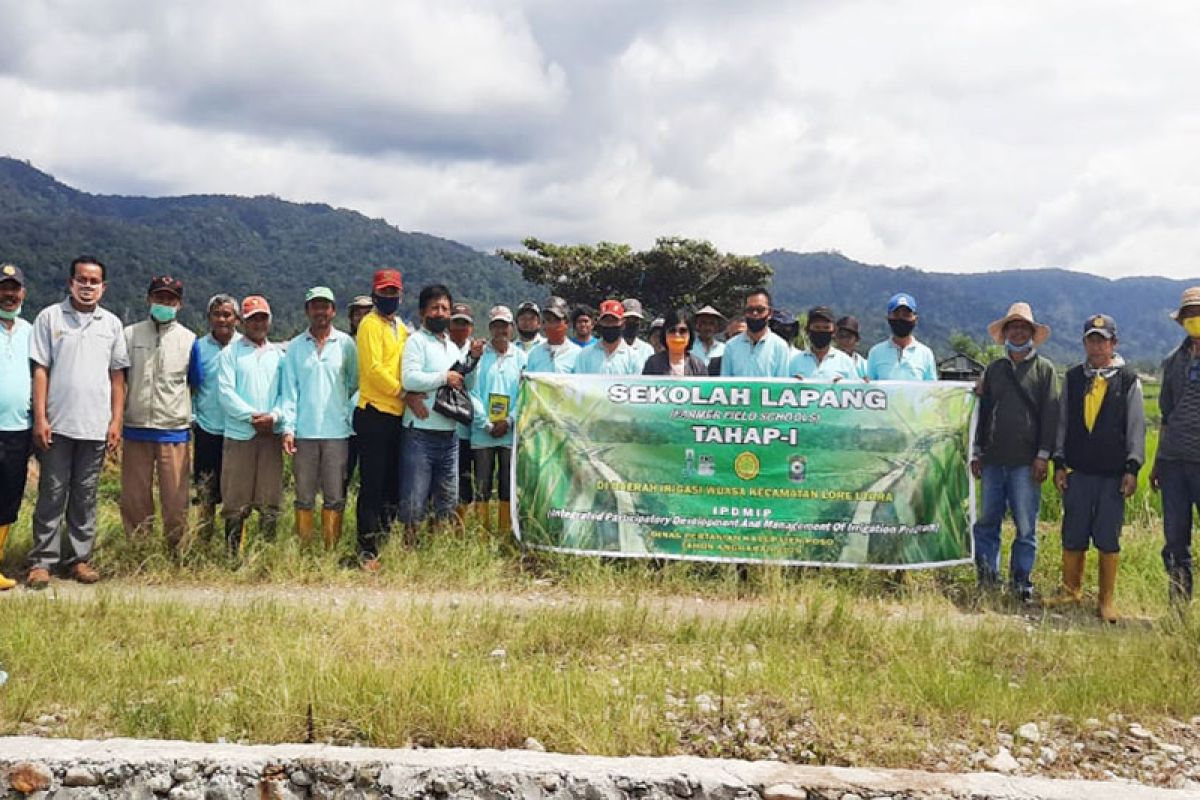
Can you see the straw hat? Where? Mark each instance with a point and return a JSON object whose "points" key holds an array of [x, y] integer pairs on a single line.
{"points": [[1191, 297], [1022, 312]]}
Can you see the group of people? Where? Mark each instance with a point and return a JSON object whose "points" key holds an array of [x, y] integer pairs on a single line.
{"points": [[426, 413]]}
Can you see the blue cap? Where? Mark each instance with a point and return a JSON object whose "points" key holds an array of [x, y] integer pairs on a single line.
{"points": [[781, 317], [902, 299]]}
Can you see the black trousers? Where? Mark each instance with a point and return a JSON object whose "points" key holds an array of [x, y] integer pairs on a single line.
{"points": [[379, 438], [14, 466], [466, 473], [206, 465]]}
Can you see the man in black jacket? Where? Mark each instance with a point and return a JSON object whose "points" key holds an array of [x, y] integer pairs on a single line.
{"points": [[1101, 446]]}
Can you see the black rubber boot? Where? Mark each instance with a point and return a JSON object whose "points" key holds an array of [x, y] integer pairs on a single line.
{"points": [[233, 535]]}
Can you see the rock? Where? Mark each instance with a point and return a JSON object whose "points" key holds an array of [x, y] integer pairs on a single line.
{"points": [[28, 777], [549, 782], [533, 744], [681, 787], [1048, 755], [1003, 761], [79, 776], [1170, 749], [1138, 732], [705, 704], [439, 785], [850, 796], [1091, 722], [784, 791], [300, 778], [499, 654], [186, 792], [1106, 736], [1029, 732], [184, 774]]}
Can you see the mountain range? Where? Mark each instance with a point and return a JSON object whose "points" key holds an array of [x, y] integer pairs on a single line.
{"points": [[245, 245]]}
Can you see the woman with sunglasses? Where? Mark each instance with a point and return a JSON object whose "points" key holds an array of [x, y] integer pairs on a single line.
{"points": [[676, 360]]}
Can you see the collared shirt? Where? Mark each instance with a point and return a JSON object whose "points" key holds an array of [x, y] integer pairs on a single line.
{"points": [[206, 403], [595, 360], [16, 386], [427, 359], [860, 364], [835, 365], [79, 349], [380, 345], [887, 361], [526, 347], [642, 350], [248, 378], [558, 358], [769, 357], [496, 374], [317, 386], [706, 354]]}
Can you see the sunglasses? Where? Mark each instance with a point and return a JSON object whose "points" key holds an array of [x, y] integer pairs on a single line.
{"points": [[682, 330]]}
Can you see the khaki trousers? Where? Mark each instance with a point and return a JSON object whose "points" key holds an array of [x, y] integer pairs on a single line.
{"points": [[140, 462], [251, 475]]}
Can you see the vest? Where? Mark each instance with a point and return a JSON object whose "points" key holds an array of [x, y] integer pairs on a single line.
{"points": [[157, 394], [1102, 450]]}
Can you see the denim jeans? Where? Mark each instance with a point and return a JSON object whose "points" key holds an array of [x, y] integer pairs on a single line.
{"points": [[1180, 482], [1008, 488], [428, 472]]}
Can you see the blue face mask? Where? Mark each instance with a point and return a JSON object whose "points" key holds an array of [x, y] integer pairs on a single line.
{"points": [[161, 313], [1012, 348], [386, 305]]}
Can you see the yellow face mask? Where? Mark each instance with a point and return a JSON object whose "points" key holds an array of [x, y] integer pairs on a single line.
{"points": [[1192, 326]]}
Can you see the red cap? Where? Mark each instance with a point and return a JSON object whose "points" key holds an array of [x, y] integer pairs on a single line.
{"points": [[612, 308], [255, 304], [388, 277]]}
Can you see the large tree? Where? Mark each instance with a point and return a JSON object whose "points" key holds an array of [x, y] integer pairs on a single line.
{"points": [[675, 272]]}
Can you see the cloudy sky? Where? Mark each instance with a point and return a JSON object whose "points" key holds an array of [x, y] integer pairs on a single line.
{"points": [[956, 135]]}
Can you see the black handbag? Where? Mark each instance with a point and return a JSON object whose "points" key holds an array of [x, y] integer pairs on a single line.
{"points": [[454, 403]]}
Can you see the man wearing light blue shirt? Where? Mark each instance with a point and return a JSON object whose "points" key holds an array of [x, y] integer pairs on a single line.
{"points": [[902, 357], [320, 375], [709, 322], [252, 463], [16, 420], [846, 338], [820, 361], [208, 429], [429, 460], [610, 355], [558, 353], [756, 353], [634, 317]]}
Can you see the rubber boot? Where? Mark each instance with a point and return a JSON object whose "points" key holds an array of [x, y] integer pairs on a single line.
{"points": [[235, 535], [304, 524], [1071, 591], [1179, 585], [206, 520], [331, 527], [5, 583], [505, 512], [463, 512], [268, 524], [479, 513], [1108, 586]]}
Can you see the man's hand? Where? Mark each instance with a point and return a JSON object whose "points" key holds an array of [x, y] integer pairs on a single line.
{"points": [[263, 423], [415, 401], [1060, 480], [1154, 483], [976, 469], [289, 444], [499, 428], [477, 348], [112, 439], [1038, 471], [42, 435], [454, 379], [1128, 485]]}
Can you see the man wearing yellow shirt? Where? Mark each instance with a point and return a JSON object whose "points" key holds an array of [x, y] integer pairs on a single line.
{"points": [[380, 340], [1100, 449]]}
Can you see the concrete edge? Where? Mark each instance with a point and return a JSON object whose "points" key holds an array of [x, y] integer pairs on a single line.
{"points": [[408, 772]]}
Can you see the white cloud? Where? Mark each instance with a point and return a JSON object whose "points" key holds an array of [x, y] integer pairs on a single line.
{"points": [[939, 134]]}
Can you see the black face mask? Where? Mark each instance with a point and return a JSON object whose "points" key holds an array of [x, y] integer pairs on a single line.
{"points": [[609, 333], [527, 335], [386, 305], [755, 325], [820, 339], [631, 331], [902, 327], [437, 325]]}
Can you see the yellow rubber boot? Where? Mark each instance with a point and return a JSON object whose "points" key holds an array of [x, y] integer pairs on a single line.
{"points": [[480, 514], [1071, 591], [505, 517], [1108, 586], [331, 527], [304, 524], [5, 583]]}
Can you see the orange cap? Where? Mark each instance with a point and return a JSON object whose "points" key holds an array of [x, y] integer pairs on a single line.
{"points": [[255, 304], [388, 277], [612, 308]]}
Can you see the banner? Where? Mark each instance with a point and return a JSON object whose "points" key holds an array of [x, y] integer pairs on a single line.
{"points": [[788, 472]]}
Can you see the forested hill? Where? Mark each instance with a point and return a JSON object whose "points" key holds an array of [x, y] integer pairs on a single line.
{"points": [[223, 243], [968, 302]]}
